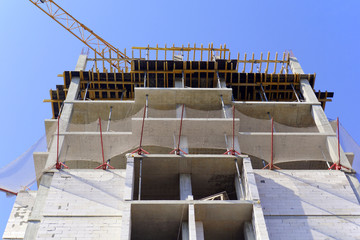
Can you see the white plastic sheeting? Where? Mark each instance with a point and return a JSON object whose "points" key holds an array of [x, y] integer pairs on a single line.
{"points": [[20, 173], [349, 145]]}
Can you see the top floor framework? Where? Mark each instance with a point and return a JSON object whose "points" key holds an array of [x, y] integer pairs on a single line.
{"points": [[251, 79]]}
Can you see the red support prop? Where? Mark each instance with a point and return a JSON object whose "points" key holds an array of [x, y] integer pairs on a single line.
{"points": [[140, 150], [58, 164], [232, 150], [271, 165], [272, 143], [337, 166], [104, 165], [178, 150], [7, 191]]}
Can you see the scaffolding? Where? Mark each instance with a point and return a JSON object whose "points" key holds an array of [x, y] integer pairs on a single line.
{"points": [[196, 67]]}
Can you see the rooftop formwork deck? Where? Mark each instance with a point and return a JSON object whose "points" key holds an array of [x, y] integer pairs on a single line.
{"points": [[250, 79]]}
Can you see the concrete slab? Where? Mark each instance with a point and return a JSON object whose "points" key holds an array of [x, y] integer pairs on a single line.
{"points": [[287, 113], [188, 96]]}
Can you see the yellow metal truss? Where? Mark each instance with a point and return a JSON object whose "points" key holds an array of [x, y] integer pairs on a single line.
{"points": [[101, 47]]}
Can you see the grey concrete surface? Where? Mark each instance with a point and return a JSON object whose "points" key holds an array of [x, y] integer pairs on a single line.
{"points": [[319, 117], [18, 220], [308, 204]]}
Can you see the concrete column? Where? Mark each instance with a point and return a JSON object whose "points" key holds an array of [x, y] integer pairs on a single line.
{"points": [[221, 82], [185, 187], [126, 222], [66, 112], [191, 223], [179, 111], [180, 83], [129, 178], [319, 116], [36, 213], [185, 231], [250, 188], [229, 142], [258, 223], [128, 196], [185, 194], [183, 139], [196, 228], [199, 230], [239, 192], [248, 231]]}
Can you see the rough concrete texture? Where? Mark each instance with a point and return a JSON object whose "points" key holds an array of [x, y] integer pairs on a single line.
{"points": [[308, 204], [83, 204], [85, 192], [319, 115], [79, 228], [66, 112], [39, 163], [188, 96], [18, 220], [313, 227]]}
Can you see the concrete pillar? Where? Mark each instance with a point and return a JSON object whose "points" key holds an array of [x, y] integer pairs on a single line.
{"points": [[199, 230], [250, 188], [248, 231], [191, 223], [229, 142], [185, 194], [185, 231], [66, 112], [126, 222], [180, 83], [185, 187], [319, 116], [179, 111], [196, 228], [221, 82], [238, 188], [36, 213], [128, 196], [258, 223], [129, 178], [183, 139]]}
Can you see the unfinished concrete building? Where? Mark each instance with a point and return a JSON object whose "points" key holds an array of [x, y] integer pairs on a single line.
{"points": [[189, 143]]}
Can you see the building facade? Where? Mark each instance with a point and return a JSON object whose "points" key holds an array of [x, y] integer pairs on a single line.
{"points": [[201, 146]]}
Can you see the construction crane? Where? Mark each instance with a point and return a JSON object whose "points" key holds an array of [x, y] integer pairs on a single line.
{"points": [[100, 47]]}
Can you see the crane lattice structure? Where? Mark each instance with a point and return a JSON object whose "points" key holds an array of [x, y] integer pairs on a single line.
{"points": [[102, 48]]}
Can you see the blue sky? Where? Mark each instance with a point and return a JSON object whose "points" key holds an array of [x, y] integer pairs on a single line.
{"points": [[323, 35]]}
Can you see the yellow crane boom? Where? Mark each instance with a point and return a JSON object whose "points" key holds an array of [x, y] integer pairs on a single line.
{"points": [[101, 47]]}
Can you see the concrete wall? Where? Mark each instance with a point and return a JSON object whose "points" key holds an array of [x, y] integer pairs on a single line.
{"points": [[71, 204], [308, 204], [18, 220]]}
